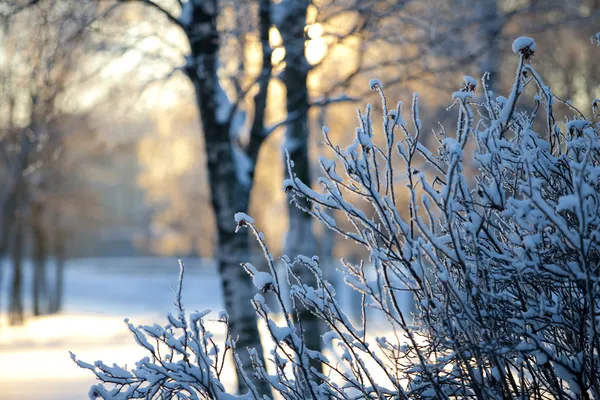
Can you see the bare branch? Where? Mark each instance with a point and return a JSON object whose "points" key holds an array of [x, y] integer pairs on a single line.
{"points": [[324, 102], [160, 9], [257, 131], [317, 103]]}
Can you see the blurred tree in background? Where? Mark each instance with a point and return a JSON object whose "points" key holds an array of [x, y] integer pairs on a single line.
{"points": [[41, 140]]}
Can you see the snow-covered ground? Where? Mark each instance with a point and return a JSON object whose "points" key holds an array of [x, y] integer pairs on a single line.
{"points": [[99, 294]]}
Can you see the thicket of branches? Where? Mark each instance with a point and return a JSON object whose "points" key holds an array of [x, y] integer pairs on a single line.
{"points": [[503, 264]]}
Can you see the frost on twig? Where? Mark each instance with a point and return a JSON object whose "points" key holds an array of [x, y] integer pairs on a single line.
{"points": [[503, 262], [183, 360], [503, 265]]}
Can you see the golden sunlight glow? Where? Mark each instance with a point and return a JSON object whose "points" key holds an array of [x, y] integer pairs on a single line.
{"points": [[315, 50], [278, 55], [253, 56], [157, 158], [275, 39], [311, 14], [314, 31]]}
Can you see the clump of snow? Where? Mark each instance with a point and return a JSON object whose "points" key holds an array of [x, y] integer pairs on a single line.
{"points": [[262, 280], [568, 202], [577, 125], [507, 107], [237, 123], [329, 336], [223, 105], [288, 184], [375, 84], [470, 83], [242, 219], [523, 44], [243, 166], [462, 95], [280, 333]]}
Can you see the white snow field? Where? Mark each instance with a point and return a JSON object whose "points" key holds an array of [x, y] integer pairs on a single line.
{"points": [[99, 294]]}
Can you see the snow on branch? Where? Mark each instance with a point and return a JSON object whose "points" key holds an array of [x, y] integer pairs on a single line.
{"points": [[494, 231]]}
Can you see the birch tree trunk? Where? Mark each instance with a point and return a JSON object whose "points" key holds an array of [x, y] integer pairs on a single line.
{"points": [[291, 21], [230, 163], [230, 183]]}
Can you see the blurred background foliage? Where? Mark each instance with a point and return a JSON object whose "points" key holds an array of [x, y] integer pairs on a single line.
{"points": [[100, 144]]}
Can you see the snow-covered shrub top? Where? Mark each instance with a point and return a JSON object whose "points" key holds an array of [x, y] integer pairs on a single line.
{"points": [[500, 249], [523, 43]]}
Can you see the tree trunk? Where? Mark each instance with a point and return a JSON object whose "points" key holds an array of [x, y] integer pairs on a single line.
{"points": [[229, 197], [40, 300], [229, 193], [9, 210], [11, 203], [491, 28], [300, 237], [16, 289], [59, 259], [7, 221]]}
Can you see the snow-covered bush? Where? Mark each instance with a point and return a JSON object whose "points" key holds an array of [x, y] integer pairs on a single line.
{"points": [[501, 251]]}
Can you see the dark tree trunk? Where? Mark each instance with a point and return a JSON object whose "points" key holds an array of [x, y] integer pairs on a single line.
{"points": [[300, 237], [8, 212], [327, 243], [40, 300], [229, 194], [16, 288], [12, 228], [59, 259], [229, 197]]}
